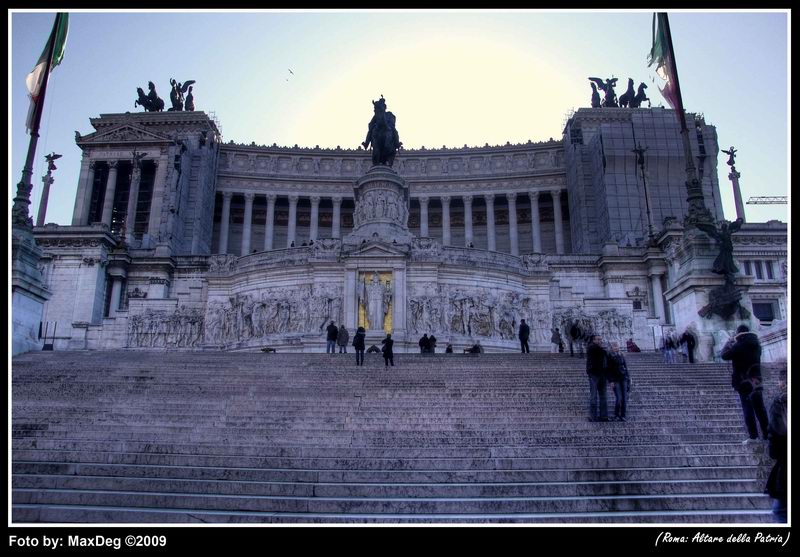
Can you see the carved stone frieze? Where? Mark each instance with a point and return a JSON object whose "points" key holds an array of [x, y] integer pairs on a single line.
{"points": [[610, 324], [182, 328], [272, 311], [476, 312]]}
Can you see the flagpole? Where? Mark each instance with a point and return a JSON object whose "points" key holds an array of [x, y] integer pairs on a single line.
{"points": [[698, 212], [22, 201]]}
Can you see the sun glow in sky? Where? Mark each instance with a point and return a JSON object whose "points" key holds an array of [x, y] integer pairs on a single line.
{"points": [[451, 78]]}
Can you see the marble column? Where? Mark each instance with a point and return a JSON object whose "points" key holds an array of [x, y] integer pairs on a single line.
{"points": [[157, 204], [224, 222], [247, 229], [658, 297], [47, 181], [336, 224], [83, 200], [423, 216], [491, 232], [290, 235], [269, 230], [446, 220], [557, 223], [111, 190], [536, 225], [399, 305], [467, 220], [350, 299], [512, 223], [133, 201], [314, 225], [116, 290]]}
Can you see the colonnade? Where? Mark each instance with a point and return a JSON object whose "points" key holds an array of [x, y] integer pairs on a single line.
{"points": [[536, 227], [291, 236]]}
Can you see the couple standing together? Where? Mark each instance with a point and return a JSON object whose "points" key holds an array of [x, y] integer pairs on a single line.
{"points": [[604, 367]]}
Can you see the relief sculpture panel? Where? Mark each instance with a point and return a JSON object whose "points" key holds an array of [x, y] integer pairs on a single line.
{"points": [[476, 312], [272, 311], [182, 328]]}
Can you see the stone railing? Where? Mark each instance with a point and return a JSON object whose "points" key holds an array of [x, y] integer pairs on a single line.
{"points": [[337, 164], [324, 249]]}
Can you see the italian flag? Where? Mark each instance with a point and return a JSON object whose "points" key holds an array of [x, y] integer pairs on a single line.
{"points": [[663, 57], [35, 80]]}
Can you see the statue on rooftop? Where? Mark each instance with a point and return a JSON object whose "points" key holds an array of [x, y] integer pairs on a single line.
{"points": [[382, 135], [640, 97], [731, 155], [627, 97], [151, 102], [595, 96], [189, 100], [177, 93], [607, 87]]}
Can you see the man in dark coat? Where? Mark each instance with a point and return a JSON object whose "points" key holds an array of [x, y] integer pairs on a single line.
{"points": [[342, 338], [688, 339], [333, 334], [358, 344], [744, 352], [424, 344], [524, 335], [596, 364], [432, 342], [777, 486], [388, 354]]}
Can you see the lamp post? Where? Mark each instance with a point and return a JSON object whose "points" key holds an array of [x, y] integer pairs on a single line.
{"points": [[640, 161]]}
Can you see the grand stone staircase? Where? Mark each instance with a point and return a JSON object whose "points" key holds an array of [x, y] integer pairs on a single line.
{"points": [[259, 438]]}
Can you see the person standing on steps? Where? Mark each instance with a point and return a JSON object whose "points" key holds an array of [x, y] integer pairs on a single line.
{"points": [[620, 381], [596, 364], [744, 353], [555, 341], [778, 476], [333, 333], [424, 344], [432, 342], [388, 354], [341, 339], [524, 335], [690, 341], [359, 345]]}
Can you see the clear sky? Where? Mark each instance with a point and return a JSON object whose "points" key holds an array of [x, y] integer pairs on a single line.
{"points": [[451, 78]]}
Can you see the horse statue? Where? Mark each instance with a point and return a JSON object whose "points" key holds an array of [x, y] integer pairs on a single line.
{"points": [[151, 102], [595, 96], [382, 135], [640, 97], [627, 97], [607, 87]]}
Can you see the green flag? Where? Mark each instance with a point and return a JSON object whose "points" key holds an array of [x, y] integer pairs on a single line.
{"points": [[662, 56], [35, 79]]}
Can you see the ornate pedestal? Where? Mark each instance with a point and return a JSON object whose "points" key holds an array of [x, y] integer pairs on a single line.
{"points": [[381, 213], [27, 292], [695, 290]]}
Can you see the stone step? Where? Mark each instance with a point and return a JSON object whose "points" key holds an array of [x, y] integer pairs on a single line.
{"points": [[388, 463], [60, 513], [248, 437], [262, 450], [389, 476], [386, 490], [407, 505]]}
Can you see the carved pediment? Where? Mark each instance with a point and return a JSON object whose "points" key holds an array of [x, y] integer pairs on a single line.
{"points": [[379, 249], [125, 133]]}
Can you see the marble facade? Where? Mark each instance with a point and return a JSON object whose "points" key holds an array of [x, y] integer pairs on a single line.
{"points": [[182, 242]]}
